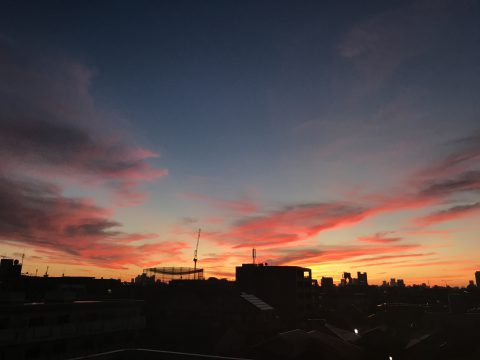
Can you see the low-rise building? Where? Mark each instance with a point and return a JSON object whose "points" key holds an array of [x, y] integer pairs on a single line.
{"points": [[289, 289]]}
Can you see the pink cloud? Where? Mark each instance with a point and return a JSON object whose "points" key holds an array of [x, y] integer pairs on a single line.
{"points": [[287, 226], [72, 230], [290, 224]]}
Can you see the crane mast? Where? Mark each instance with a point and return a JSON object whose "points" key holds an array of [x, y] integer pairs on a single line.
{"points": [[195, 255]]}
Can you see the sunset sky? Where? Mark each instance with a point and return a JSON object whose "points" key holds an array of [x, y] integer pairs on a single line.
{"points": [[335, 135]]}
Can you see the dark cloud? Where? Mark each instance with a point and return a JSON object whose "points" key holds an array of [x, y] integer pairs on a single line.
{"points": [[36, 214], [51, 127], [458, 172], [464, 150], [467, 181], [93, 227], [49, 124], [41, 140], [451, 213]]}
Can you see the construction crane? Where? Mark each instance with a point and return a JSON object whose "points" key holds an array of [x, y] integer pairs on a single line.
{"points": [[195, 255]]}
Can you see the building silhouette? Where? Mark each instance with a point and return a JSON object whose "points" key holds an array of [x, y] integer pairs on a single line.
{"points": [[289, 289], [362, 278], [10, 269], [326, 282], [346, 279]]}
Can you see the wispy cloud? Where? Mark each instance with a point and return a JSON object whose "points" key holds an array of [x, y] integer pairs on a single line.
{"points": [[328, 254], [242, 206], [380, 238], [379, 45], [466, 181]]}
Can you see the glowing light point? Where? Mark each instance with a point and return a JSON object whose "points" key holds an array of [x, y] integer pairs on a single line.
{"points": [[355, 331]]}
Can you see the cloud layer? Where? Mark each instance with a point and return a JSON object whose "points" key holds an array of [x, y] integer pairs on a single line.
{"points": [[284, 235], [49, 129]]}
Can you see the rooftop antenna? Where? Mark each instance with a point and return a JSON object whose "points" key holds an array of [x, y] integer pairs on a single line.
{"points": [[195, 255], [254, 255], [46, 272]]}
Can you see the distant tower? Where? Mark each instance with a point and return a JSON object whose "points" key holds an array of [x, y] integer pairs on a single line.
{"points": [[254, 255], [347, 278], [362, 278]]}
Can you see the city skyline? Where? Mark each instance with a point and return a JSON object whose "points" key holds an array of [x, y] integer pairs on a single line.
{"points": [[337, 137]]}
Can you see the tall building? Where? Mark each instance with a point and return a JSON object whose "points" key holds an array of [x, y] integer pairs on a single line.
{"points": [[289, 289], [477, 278], [362, 278], [347, 278]]}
